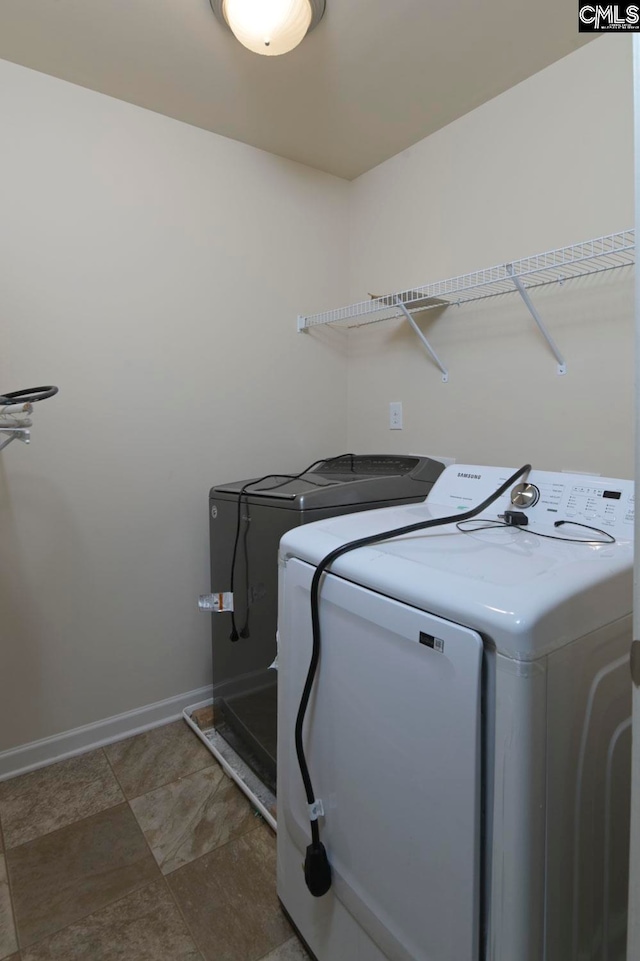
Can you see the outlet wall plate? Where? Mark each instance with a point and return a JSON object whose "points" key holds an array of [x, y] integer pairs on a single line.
{"points": [[395, 415]]}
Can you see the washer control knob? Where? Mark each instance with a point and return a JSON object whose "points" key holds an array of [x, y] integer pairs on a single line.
{"points": [[525, 495]]}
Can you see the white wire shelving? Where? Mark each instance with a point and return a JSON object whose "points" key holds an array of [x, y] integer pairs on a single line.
{"points": [[552, 267]]}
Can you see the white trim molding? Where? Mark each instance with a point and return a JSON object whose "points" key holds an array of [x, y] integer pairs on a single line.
{"points": [[29, 757]]}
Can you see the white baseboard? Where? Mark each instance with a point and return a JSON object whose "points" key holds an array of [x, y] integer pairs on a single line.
{"points": [[29, 757]]}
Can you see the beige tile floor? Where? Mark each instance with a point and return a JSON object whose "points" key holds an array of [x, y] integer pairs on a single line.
{"points": [[142, 851]]}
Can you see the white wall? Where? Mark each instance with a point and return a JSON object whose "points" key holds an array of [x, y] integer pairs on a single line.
{"points": [[548, 163], [154, 272]]}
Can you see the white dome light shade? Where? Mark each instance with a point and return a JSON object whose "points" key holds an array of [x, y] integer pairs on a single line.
{"points": [[269, 27]]}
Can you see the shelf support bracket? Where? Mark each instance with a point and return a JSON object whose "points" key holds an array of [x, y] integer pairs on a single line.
{"points": [[15, 433], [562, 366], [432, 354]]}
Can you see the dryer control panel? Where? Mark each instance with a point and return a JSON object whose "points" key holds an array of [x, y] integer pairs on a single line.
{"points": [[607, 503], [544, 496]]}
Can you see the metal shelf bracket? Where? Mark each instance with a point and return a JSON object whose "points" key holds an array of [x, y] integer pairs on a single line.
{"points": [[562, 366], [15, 433], [432, 354]]}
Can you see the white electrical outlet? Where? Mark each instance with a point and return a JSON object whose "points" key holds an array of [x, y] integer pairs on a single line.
{"points": [[395, 415]]}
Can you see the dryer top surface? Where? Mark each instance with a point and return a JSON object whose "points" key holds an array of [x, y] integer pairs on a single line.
{"points": [[529, 593]]}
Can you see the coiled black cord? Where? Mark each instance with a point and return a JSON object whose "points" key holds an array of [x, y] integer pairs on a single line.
{"points": [[491, 524], [30, 395], [317, 871]]}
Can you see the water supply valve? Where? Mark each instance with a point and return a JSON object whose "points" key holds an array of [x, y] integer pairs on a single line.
{"points": [[216, 603]]}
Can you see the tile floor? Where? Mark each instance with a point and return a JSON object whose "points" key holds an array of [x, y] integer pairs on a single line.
{"points": [[142, 851]]}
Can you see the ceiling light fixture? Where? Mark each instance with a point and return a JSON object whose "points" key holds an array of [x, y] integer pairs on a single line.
{"points": [[269, 27]]}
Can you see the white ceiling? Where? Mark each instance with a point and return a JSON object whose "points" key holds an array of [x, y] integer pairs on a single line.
{"points": [[374, 76]]}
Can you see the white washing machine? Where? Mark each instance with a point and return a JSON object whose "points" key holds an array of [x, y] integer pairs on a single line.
{"points": [[468, 732]]}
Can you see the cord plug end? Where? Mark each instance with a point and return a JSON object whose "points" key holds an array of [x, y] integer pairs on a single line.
{"points": [[317, 870], [515, 519]]}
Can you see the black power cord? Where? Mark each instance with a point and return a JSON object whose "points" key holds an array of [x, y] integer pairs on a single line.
{"points": [[521, 520], [317, 870], [610, 539], [281, 479], [30, 395]]}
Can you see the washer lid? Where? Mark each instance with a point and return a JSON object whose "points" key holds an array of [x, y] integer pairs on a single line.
{"points": [[350, 479], [529, 594]]}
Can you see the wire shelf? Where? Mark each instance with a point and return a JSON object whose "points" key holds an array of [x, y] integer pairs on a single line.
{"points": [[553, 267]]}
